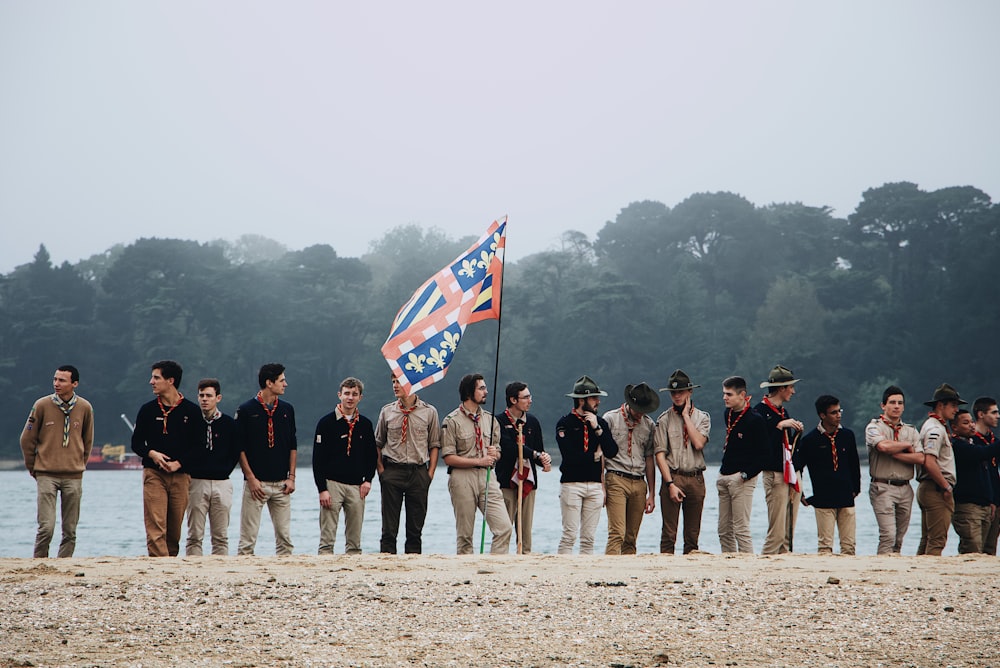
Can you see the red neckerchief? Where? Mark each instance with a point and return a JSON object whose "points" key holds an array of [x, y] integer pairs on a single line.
{"points": [[350, 426], [518, 424], [586, 430], [895, 427], [781, 412], [833, 446], [406, 420], [628, 423], [730, 422], [270, 418], [167, 411], [479, 429]]}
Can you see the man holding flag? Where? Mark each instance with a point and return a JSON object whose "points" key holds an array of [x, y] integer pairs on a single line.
{"points": [[422, 343], [520, 440], [781, 484], [470, 446]]}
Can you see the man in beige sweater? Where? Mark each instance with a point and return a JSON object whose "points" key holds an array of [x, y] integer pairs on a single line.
{"points": [[56, 442]]}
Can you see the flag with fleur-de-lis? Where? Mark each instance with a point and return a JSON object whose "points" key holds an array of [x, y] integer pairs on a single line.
{"points": [[430, 325]]}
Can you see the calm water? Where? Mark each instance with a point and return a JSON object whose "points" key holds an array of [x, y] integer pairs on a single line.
{"points": [[111, 519]]}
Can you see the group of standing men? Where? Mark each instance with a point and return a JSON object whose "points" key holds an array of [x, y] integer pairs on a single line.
{"points": [[189, 452]]}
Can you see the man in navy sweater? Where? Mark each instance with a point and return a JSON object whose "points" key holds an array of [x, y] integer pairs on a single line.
{"points": [[265, 427], [211, 490], [344, 461], [974, 490], [830, 452]]}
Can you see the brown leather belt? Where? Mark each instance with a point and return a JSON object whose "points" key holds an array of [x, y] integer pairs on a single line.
{"points": [[895, 483], [630, 476], [687, 474]]}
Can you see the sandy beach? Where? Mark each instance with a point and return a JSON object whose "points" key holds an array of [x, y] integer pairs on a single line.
{"points": [[378, 610]]}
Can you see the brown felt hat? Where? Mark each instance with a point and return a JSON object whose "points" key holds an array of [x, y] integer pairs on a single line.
{"points": [[677, 382], [780, 377], [945, 393], [586, 387], [641, 398]]}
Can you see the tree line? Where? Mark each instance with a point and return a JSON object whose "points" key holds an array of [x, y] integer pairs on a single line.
{"points": [[900, 292]]}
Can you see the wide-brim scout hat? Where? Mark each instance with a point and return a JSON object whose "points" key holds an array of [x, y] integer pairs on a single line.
{"points": [[780, 377], [586, 387], [945, 393], [678, 382], [641, 398]]}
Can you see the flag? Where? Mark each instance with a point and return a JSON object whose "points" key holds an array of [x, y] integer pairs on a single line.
{"points": [[428, 328], [790, 475]]}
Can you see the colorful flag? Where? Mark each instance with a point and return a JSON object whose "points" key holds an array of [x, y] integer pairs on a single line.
{"points": [[429, 327]]}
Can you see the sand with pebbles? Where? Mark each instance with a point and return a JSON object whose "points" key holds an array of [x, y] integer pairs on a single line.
{"points": [[432, 610]]}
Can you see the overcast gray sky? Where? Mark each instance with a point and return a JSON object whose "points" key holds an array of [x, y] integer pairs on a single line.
{"points": [[332, 122]]}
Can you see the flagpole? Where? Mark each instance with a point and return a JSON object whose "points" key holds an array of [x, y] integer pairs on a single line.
{"points": [[493, 406]]}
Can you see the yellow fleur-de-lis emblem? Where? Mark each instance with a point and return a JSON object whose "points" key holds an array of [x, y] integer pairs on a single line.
{"points": [[450, 341], [485, 259], [437, 357], [468, 268], [416, 363]]}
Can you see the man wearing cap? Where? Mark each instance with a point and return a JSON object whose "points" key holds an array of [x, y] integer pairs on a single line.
{"points": [[742, 456], [987, 416], [583, 438], [470, 446], [781, 486], [679, 447], [937, 474], [974, 490], [893, 450], [830, 452], [628, 480]]}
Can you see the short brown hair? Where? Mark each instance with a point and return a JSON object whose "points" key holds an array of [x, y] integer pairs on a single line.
{"points": [[210, 382], [351, 381]]}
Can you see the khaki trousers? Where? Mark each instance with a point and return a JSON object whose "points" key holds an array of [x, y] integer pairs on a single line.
{"points": [[580, 504], [990, 543], [935, 518], [279, 507], [692, 505], [348, 498], [972, 524], [49, 488], [212, 499], [735, 502], [892, 505], [778, 495], [527, 513], [164, 500], [844, 520], [468, 489], [625, 504]]}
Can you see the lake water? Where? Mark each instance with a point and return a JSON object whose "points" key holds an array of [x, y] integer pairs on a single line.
{"points": [[111, 519]]}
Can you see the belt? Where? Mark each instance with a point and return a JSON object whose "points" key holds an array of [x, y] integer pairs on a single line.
{"points": [[895, 483], [689, 474], [630, 476], [389, 462]]}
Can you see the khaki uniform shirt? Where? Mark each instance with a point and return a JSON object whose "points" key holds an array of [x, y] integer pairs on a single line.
{"points": [[458, 434], [423, 433], [935, 441], [633, 463], [885, 466], [669, 438]]}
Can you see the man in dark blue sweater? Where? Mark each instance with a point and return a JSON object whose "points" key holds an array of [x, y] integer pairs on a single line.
{"points": [[583, 438], [743, 458], [211, 491], [265, 427], [974, 490], [830, 452], [344, 461]]}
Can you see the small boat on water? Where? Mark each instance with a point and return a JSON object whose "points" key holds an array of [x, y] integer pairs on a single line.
{"points": [[113, 458]]}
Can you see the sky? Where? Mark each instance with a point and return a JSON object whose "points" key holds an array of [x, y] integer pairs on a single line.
{"points": [[334, 122]]}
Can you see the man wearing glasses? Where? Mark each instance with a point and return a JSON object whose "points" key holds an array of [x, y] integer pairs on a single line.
{"points": [[830, 452]]}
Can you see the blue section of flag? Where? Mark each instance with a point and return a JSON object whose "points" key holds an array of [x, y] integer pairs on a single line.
{"points": [[432, 356], [471, 267]]}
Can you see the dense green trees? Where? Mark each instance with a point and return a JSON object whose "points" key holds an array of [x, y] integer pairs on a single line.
{"points": [[900, 291]]}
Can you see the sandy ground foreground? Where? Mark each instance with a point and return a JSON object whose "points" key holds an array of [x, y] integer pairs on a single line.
{"points": [[376, 610]]}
